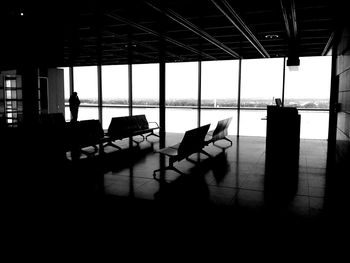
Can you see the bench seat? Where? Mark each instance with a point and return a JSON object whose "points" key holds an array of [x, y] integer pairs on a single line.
{"points": [[192, 142]]}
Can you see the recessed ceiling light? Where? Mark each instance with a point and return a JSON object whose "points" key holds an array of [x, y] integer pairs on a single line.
{"points": [[22, 14], [271, 36]]}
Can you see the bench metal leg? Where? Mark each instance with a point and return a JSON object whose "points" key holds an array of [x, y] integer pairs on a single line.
{"points": [[137, 143], [169, 167], [86, 153], [227, 139], [191, 161], [112, 144], [205, 153], [152, 133]]}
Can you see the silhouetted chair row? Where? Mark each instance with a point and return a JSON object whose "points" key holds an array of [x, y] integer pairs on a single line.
{"points": [[75, 135], [89, 133], [86, 133], [129, 126], [192, 142], [220, 132]]}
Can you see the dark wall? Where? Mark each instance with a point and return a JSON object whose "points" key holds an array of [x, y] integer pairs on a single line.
{"points": [[343, 120], [30, 94]]}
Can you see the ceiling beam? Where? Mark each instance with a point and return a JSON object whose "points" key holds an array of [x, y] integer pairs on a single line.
{"points": [[290, 18], [193, 28], [152, 32], [142, 44], [226, 9], [328, 45], [290, 21]]}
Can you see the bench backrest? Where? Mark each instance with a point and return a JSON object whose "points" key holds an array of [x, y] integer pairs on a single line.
{"points": [[52, 120], [141, 121], [193, 141], [221, 129], [86, 133], [126, 125]]}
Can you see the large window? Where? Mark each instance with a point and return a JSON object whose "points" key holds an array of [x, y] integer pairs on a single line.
{"points": [[145, 82], [261, 83], [114, 93], [308, 89], [85, 84], [219, 93], [181, 96]]}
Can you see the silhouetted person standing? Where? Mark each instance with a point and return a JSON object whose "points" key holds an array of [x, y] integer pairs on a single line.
{"points": [[74, 103]]}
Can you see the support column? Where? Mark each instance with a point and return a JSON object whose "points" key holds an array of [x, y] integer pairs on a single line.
{"points": [[30, 94], [284, 80], [130, 61], [199, 93], [162, 97]]}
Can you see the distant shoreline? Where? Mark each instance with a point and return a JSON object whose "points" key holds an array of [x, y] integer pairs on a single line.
{"points": [[218, 103]]}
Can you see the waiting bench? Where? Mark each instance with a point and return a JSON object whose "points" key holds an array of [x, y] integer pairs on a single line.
{"points": [[220, 132], [129, 126], [83, 134], [192, 142], [74, 136]]}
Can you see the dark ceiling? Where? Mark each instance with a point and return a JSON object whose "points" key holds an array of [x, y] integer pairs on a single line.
{"points": [[64, 33]]}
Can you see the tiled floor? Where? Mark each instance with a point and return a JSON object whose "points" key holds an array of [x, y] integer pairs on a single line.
{"points": [[233, 178], [228, 194]]}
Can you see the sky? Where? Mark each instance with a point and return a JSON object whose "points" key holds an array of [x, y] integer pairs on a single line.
{"points": [[261, 79]]}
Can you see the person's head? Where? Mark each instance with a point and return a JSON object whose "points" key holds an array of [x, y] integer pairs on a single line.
{"points": [[75, 93]]}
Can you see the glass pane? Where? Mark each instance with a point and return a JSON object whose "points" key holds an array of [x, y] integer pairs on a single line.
{"points": [[19, 94], [180, 119], [19, 106], [115, 93], [19, 81], [85, 84], [253, 122], [66, 81], [309, 88], [261, 83], [219, 93], [67, 113], [109, 112], [181, 96], [152, 114], [145, 81], [314, 124], [87, 113]]}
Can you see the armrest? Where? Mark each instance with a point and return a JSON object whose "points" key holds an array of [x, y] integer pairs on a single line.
{"points": [[155, 123]]}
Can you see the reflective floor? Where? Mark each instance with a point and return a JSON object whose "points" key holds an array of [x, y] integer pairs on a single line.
{"points": [[230, 195], [233, 178]]}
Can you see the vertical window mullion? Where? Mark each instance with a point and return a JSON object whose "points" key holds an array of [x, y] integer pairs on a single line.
{"points": [[199, 93], [130, 88], [99, 92], [239, 96]]}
